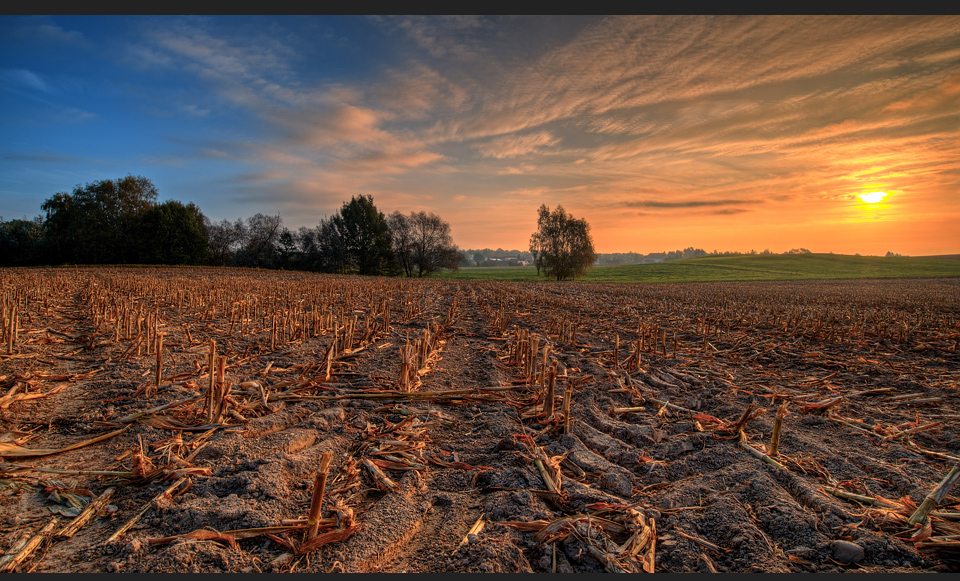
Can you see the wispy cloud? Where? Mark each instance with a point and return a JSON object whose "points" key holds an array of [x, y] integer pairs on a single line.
{"points": [[685, 203], [635, 121], [441, 36], [46, 158], [518, 145], [20, 79], [41, 30], [49, 93]]}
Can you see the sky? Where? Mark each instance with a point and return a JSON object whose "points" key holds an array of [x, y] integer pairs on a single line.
{"points": [[731, 133]]}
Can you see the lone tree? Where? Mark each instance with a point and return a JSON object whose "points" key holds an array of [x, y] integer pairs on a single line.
{"points": [[562, 245]]}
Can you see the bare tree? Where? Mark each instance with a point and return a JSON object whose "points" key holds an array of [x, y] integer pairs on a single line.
{"points": [[432, 246], [224, 239], [260, 245], [401, 240], [422, 243]]}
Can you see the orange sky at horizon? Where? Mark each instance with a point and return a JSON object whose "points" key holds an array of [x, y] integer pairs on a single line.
{"points": [[777, 161], [727, 133]]}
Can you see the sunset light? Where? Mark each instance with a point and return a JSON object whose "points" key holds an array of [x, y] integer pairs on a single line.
{"points": [[728, 133], [873, 197]]}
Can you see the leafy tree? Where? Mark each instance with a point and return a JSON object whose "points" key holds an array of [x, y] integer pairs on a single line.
{"points": [[535, 250], [332, 255], [422, 243], [307, 249], [21, 242], [174, 233], [563, 244], [287, 254], [99, 222], [61, 227], [359, 239]]}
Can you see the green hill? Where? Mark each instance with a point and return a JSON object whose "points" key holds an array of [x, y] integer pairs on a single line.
{"points": [[741, 268]]}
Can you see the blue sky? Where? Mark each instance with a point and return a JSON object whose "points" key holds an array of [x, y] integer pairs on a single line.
{"points": [[720, 132]]}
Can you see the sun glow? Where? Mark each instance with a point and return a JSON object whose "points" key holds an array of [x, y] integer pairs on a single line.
{"points": [[873, 197]]}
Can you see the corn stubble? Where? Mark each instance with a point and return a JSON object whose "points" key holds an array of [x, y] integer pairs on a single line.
{"points": [[209, 340]]}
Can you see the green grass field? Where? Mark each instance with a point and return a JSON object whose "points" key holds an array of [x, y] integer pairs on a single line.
{"points": [[739, 268]]}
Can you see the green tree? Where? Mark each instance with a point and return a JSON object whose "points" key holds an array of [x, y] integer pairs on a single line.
{"points": [[21, 242], [61, 227], [535, 250], [174, 233], [357, 239], [307, 248], [287, 254], [562, 244], [331, 248], [98, 223]]}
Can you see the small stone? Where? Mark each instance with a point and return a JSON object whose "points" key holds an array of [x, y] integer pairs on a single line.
{"points": [[473, 539], [680, 446], [574, 552], [847, 552], [617, 484], [134, 546]]}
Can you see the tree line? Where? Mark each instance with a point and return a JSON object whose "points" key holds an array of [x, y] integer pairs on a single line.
{"points": [[120, 222]]}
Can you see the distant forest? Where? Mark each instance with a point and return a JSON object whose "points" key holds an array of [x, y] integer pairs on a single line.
{"points": [[501, 257], [121, 222]]}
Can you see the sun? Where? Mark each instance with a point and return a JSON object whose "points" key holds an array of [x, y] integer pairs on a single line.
{"points": [[873, 197]]}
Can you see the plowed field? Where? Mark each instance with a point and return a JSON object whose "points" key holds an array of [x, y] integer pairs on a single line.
{"points": [[184, 420]]}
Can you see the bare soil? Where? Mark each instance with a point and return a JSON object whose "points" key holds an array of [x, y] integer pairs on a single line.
{"points": [[674, 390]]}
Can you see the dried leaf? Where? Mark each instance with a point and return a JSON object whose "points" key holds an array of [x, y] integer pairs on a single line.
{"points": [[8, 449], [200, 535]]}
